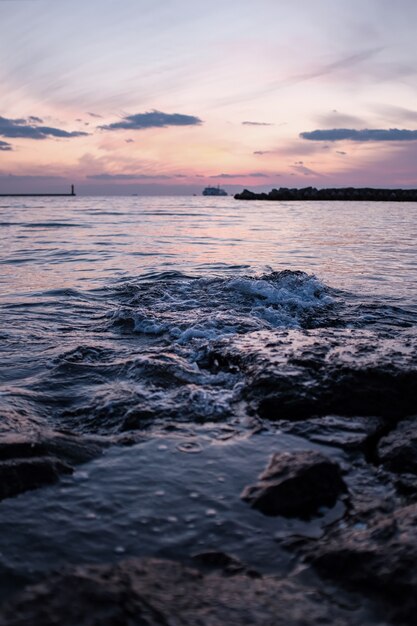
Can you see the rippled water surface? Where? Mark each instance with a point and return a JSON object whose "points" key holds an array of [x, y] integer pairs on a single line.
{"points": [[179, 324]]}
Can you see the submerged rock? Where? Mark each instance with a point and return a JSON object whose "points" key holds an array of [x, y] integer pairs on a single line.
{"points": [[377, 558], [30, 461], [296, 484], [149, 592], [18, 475]]}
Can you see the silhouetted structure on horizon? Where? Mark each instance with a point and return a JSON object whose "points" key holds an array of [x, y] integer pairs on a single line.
{"points": [[343, 193], [30, 195]]}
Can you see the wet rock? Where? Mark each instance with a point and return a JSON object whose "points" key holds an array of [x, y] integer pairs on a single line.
{"points": [[398, 450], [296, 484], [163, 593], [228, 564], [70, 448], [18, 475], [299, 374], [349, 433], [30, 461], [377, 558]]}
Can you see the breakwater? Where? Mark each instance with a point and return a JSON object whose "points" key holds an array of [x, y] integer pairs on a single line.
{"points": [[343, 193]]}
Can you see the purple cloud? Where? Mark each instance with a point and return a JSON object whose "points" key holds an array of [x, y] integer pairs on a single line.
{"points": [[5, 146], [153, 119], [343, 134], [25, 129]]}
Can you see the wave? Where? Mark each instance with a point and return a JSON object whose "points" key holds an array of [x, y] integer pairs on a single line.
{"points": [[186, 308]]}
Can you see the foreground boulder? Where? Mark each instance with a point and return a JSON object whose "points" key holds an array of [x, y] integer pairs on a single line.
{"points": [[31, 461], [377, 558], [398, 450], [149, 592], [296, 484]]}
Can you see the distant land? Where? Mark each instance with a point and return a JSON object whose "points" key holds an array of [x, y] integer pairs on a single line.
{"points": [[342, 193]]}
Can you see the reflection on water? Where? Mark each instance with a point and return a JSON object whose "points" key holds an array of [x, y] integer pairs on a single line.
{"points": [[85, 242]]}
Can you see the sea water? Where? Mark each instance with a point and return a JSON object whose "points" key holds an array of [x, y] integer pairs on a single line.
{"points": [[165, 323]]}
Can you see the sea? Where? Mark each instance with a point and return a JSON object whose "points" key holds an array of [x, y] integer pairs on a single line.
{"points": [[189, 335]]}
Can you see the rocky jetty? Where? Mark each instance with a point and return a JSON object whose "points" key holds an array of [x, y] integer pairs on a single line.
{"points": [[343, 193]]}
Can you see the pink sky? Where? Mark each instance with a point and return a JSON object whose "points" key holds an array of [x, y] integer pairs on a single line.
{"points": [[171, 96]]}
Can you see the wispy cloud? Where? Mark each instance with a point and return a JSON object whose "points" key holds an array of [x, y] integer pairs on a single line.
{"points": [[350, 134], [341, 120], [5, 146], [303, 169], [26, 129], [105, 176], [242, 175], [327, 69], [153, 119], [247, 123]]}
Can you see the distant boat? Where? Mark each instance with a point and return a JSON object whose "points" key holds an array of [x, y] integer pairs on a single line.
{"points": [[214, 191]]}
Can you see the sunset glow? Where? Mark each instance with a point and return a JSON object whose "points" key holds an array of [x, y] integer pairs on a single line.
{"points": [[168, 96]]}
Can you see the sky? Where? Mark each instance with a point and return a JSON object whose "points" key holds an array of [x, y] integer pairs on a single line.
{"points": [[170, 96]]}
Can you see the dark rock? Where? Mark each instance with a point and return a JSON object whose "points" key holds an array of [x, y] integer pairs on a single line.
{"points": [[68, 447], [398, 450], [296, 484], [341, 194], [18, 475], [349, 433], [30, 461], [378, 559], [228, 564], [299, 374], [163, 593]]}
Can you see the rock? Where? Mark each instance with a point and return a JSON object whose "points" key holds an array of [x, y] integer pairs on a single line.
{"points": [[225, 562], [150, 592], [378, 559], [68, 447], [398, 450], [30, 461], [300, 374], [343, 193], [349, 433], [296, 484], [18, 475]]}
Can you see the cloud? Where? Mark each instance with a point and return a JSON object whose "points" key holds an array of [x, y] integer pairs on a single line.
{"points": [[35, 120], [242, 175], [25, 129], [396, 114], [153, 119], [5, 147], [257, 123], [341, 152], [94, 115], [303, 169], [340, 134], [105, 176], [129, 140], [335, 67], [334, 118]]}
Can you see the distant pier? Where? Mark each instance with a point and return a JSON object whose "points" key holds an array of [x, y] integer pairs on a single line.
{"points": [[39, 195]]}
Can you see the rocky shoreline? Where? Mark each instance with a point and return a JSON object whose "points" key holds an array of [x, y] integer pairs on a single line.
{"points": [[345, 194], [359, 570]]}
